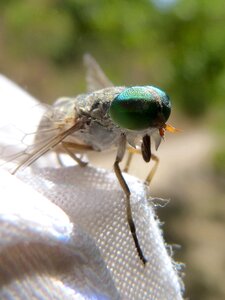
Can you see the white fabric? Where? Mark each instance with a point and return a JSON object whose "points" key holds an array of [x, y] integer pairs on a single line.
{"points": [[80, 247]]}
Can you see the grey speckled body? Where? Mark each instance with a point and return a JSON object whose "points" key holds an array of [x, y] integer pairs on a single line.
{"points": [[100, 131]]}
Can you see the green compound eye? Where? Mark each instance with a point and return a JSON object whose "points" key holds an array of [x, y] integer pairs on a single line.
{"points": [[140, 107]]}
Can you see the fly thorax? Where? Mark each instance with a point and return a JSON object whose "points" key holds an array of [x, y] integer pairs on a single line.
{"points": [[96, 105]]}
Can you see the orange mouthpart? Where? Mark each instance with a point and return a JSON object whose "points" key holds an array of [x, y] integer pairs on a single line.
{"points": [[172, 129], [169, 128]]}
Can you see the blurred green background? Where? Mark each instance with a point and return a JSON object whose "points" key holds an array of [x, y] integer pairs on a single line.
{"points": [[177, 45]]}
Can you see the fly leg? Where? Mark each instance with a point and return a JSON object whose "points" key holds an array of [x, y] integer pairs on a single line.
{"points": [[153, 170], [128, 161], [68, 147], [153, 157], [119, 157]]}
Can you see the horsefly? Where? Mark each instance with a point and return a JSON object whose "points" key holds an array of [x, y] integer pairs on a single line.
{"points": [[103, 118]]}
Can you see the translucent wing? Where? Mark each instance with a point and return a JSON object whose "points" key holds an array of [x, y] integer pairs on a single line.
{"points": [[96, 78], [24, 142], [26, 133]]}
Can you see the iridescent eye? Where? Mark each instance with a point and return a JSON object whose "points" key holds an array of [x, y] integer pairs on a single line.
{"points": [[140, 107]]}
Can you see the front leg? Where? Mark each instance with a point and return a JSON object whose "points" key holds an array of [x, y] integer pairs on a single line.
{"points": [[119, 157], [67, 147]]}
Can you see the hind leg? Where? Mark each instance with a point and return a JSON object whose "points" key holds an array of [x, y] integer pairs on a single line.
{"points": [[71, 149]]}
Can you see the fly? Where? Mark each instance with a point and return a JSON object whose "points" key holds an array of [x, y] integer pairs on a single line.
{"points": [[104, 117]]}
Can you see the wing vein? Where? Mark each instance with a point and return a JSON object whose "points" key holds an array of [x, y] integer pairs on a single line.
{"points": [[49, 145]]}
